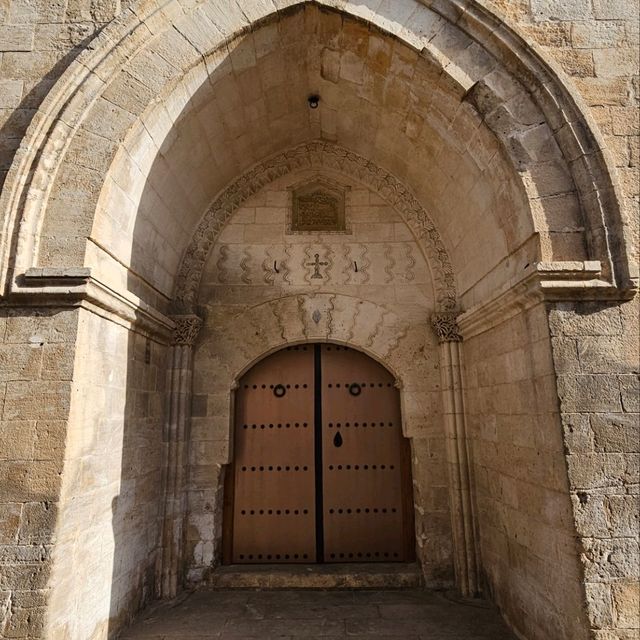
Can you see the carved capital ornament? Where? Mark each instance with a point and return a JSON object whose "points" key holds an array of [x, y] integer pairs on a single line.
{"points": [[186, 329], [445, 326]]}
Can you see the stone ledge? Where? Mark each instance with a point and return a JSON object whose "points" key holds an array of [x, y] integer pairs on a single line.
{"points": [[76, 287], [56, 276], [320, 576], [542, 282]]}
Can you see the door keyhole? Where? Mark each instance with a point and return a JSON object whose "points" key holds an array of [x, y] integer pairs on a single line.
{"points": [[337, 440]]}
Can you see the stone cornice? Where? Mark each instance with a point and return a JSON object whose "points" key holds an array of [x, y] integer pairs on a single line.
{"points": [[542, 282], [76, 287]]}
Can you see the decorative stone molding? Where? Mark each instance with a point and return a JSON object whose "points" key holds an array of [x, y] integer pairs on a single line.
{"points": [[465, 548], [542, 282], [77, 287], [186, 329], [318, 154], [446, 327], [461, 495]]}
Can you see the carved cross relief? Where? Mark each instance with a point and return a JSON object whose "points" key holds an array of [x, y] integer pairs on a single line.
{"points": [[316, 267], [318, 261], [317, 210]]}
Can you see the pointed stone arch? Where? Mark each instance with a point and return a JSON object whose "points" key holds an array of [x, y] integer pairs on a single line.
{"points": [[493, 69]]}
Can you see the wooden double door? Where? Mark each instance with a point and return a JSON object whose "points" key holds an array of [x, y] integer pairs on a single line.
{"points": [[321, 471]]}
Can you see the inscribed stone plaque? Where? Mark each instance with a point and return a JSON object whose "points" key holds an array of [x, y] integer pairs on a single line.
{"points": [[317, 207]]}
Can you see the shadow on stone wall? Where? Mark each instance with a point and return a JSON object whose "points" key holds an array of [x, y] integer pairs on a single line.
{"points": [[137, 509]]}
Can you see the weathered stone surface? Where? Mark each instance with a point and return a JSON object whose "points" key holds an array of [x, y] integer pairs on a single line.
{"points": [[558, 10], [16, 37], [600, 605], [610, 560], [630, 392], [9, 522], [588, 393], [599, 470], [597, 34], [343, 614], [615, 9], [469, 173], [626, 598], [578, 433], [589, 320], [38, 520], [616, 433]]}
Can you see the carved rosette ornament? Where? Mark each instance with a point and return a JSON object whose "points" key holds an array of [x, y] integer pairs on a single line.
{"points": [[186, 330], [446, 327]]}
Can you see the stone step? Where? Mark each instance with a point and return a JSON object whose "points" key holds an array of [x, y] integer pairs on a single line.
{"points": [[317, 576]]}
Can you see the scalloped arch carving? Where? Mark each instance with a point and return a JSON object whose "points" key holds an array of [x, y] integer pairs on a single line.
{"points": [[312, 155]]}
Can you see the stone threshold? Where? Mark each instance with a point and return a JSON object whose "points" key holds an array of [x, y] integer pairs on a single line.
{"points": [[395, 575]]}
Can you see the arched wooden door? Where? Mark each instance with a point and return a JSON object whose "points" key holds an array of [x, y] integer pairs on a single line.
{"points": [[321, 471]]}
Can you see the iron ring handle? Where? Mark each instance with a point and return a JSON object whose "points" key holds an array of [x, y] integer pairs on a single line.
{"points": [[279, 390], [355, 389]]}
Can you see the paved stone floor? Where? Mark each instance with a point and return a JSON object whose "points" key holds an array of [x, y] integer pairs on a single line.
{"points": [[314, 615]]}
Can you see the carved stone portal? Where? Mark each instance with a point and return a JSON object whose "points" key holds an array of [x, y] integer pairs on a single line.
{"points": [[317, 206]]}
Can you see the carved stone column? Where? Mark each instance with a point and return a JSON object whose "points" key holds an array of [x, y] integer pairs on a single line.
{"points": [[176, 437], [461, 502]]}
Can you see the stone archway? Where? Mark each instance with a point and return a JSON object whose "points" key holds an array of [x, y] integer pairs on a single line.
{"points": [[484, 134], [485, 75], [342, 320]]}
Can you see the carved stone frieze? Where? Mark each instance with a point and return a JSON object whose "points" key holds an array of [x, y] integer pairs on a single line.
{"points": [[282, 264], [318, 154], [186, 329], [445, 326]]}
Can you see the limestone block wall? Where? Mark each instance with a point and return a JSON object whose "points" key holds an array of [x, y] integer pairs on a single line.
{"points": [[595, 356], [527, 537], [108, 528], [372, 290], [596, 44], [38, 40], [36, 370]]}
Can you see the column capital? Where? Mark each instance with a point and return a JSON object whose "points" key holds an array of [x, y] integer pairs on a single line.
{"points": [[445, 326], [186, 329]]}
